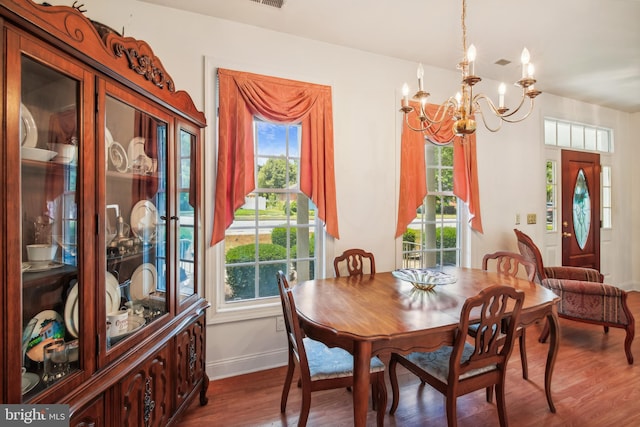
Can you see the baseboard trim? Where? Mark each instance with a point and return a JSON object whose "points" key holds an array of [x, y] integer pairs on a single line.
{"points": [[232, 367]]}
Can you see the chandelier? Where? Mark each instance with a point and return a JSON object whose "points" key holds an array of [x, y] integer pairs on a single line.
{"points": [[466, 105]]}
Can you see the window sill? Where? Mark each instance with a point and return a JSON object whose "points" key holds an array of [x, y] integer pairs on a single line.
{"points": [[247, 312]]}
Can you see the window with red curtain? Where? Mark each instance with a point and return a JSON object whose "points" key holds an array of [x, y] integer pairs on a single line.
{"points": [[275, 180], [449, 166]]}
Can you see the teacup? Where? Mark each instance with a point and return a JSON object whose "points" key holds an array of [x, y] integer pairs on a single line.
{"points": [[41, 255], [119, 321]]}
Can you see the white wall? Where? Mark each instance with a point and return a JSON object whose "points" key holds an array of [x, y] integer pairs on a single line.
{"points": [[365, 97]]}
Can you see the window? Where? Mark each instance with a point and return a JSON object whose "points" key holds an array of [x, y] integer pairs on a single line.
{"points": [[577, 136], [552, 191], [605, 200], [276, 227], [432, 239]]}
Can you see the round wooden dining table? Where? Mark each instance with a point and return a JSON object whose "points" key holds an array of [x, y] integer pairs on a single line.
{"points": [[378, 314]]}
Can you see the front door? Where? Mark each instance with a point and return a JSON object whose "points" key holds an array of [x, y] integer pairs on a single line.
{"points": [[580, 209]]}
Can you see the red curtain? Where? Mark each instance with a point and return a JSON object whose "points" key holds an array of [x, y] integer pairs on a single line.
{"points": [[413, 188], [146, 127], [243, 96]]}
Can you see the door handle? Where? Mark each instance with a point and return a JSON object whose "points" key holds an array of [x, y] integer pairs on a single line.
{"points": [[565, 234]]}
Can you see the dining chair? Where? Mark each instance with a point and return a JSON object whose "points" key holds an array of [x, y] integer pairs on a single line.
{"points": [[321, 367], [583, 295], [471, 363], [354, 261], [510, 264]]}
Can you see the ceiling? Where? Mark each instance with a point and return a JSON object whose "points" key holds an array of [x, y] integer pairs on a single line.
{"points": [[587, 50]]}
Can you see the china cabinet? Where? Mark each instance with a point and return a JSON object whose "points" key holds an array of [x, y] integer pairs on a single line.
{"points": [[101, 230]]}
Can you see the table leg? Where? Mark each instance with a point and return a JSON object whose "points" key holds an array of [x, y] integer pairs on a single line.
{"points": [[361, 368], [554, 340]]}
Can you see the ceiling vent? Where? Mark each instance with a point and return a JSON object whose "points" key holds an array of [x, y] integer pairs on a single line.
{"points": [[273, 3]]}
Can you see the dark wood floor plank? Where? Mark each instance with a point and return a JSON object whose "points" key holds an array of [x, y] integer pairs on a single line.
{"points": [[592, 386]]}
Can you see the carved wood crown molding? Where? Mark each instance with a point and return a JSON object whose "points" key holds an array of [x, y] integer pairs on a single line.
{"points": [[143, 64]]}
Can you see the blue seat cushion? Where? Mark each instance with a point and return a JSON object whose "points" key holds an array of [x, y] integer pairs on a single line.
{"points": [[436, 363], [332, 362]]}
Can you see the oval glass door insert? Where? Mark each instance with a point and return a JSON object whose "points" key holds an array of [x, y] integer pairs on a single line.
{"points": [[581, 210]]}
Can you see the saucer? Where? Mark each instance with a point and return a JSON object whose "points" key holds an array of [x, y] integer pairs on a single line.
{"points": [[38, 267], [29, 381]]}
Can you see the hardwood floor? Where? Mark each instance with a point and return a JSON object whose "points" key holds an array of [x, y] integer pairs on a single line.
{"points": [[592, 385]]}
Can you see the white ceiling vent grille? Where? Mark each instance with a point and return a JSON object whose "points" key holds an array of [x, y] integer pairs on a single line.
{"points": [[273, 3]]}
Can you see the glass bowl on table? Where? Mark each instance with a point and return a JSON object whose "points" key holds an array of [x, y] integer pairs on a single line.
{"points": [[424, 279]]}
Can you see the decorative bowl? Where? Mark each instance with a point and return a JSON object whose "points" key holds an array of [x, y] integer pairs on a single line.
{"points": [[424, 278]]}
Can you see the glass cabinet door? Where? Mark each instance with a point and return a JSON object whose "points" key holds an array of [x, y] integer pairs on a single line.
{"points": [[187, 195], [50, 138], [135, 213]]}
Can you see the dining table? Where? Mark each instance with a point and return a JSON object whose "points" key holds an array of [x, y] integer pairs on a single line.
{"points": [[379, 314]]}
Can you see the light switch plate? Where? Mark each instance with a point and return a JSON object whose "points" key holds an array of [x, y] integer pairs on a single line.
{"points": [[531, 218]]}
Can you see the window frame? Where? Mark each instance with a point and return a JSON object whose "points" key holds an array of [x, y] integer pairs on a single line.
{"points": [[435, 190]]}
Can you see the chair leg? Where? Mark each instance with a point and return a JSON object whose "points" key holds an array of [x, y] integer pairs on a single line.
{"points": [[304, 410], [606, 329], [452, 416], [628, 340], [523, 353], [500, 403], [490, 394], [287, 383], [395, 393], [380, 398]]}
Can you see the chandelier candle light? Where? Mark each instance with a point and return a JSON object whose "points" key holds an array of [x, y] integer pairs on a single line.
{"points": [[466, 105]]}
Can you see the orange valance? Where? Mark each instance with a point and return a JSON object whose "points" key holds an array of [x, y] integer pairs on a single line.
{"points": [[413, 187], [243, 96]]}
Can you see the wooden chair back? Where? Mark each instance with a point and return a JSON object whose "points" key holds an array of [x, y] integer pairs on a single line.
{"points": [[492, 344], [292, 325], [530, 251], [509, 263], [354, 260]]}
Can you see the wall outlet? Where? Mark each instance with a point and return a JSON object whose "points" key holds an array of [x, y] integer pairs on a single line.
{"points": [[279, 323], [531, 218], [517, 219]]}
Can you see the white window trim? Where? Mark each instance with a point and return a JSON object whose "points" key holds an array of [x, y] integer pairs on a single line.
{"points": [[214, 266]]}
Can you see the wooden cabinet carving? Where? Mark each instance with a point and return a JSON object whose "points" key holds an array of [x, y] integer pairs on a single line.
{"points": [[145, 394], [102, 236], [190, 348]]}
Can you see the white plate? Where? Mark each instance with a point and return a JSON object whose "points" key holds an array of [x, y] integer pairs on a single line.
{"points": [[71, 311], [49, 326], [143, 282], [113, 293], [108, 140], [28, 128], [29, 381], [37, 154], [144, 216], [36, 268], [118, 157], [136, 148]]}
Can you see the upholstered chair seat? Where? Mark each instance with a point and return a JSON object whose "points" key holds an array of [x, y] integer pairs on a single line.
{"points": [[327, 362]]}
